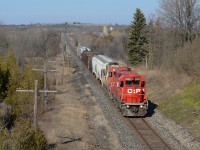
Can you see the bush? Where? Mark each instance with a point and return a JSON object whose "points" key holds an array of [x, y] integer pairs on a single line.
{"points": [[23, 137]]}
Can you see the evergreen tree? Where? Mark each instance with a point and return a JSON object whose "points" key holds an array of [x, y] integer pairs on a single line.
{"points": [[14, 78], [27, 82], [4, 81], [137, 43]]}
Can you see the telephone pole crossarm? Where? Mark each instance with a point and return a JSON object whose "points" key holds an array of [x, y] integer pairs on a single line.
{"points": [[47, 91], [34, 69], [25, 91], [44, 70], [52, 70]]}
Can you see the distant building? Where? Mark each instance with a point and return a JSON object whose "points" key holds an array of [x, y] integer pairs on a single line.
{"points": [[111, 29]]}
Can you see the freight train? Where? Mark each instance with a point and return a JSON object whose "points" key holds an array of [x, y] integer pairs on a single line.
{"points": [[126, 88]]}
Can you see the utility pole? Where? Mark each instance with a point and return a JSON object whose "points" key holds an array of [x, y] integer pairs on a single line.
{"points": [[45, 82], [146, 63], [68, 55], [36, 99], [56, 64], [64, 62], [65, 55], [35, 104], [63, 66], [45, 77]]}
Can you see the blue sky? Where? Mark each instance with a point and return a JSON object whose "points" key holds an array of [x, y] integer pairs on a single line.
{"points": [[85, 11]]}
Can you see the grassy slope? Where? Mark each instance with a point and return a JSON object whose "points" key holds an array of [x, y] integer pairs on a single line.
{"points": [[184, 108], [176, 97]]}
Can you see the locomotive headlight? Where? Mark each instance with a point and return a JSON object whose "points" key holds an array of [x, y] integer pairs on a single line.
{"points": [[141, 106], [127, 106]]}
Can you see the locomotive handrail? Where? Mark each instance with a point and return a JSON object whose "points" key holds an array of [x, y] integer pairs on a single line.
{"points": [[141, 94], [132, 93]]}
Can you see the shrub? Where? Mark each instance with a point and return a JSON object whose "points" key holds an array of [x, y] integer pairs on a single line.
{"points": [[23, 137]]}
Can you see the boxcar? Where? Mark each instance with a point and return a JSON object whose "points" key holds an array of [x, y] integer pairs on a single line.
{"points": [[86, 57]]}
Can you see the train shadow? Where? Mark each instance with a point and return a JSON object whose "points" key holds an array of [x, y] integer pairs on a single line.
{"points": [[151, 109]]}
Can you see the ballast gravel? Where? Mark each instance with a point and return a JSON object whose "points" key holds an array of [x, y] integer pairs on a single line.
{"points": [[176, 136]]}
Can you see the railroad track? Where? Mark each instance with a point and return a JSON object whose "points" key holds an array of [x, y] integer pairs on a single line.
{"points": [[147, 134]]}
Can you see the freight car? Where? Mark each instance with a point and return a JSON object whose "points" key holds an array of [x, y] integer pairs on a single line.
{"points": [[125, 87], [86, 57], [82, 49], [100, 66]]}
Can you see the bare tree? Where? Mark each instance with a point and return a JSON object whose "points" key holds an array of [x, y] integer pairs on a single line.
{"points": [[181, 15], [156, 35], [3, 39], [47, 44]]}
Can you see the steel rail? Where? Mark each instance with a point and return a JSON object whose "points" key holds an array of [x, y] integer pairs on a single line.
{"points": [[142, 128]]}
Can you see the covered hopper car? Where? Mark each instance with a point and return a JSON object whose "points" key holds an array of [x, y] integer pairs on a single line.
{"points": [[100, 66]]}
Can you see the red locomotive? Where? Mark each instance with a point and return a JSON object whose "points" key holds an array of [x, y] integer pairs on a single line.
{"points": [[125, 87]]}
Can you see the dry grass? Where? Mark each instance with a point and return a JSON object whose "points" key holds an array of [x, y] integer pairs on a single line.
{"points": [[162, 85]]}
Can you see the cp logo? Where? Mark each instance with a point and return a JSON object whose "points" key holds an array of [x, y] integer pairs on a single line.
{"points": [[133, 91]]}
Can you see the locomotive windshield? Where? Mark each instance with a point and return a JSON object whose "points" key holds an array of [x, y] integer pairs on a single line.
{"points": [[131, 83], [136, 81]]}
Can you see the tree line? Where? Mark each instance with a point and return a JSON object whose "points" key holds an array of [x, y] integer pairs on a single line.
{"points": [[169, 40], [18, 115]]}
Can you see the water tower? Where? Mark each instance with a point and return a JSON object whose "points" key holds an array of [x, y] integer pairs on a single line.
{"points": [[105, 29]]}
